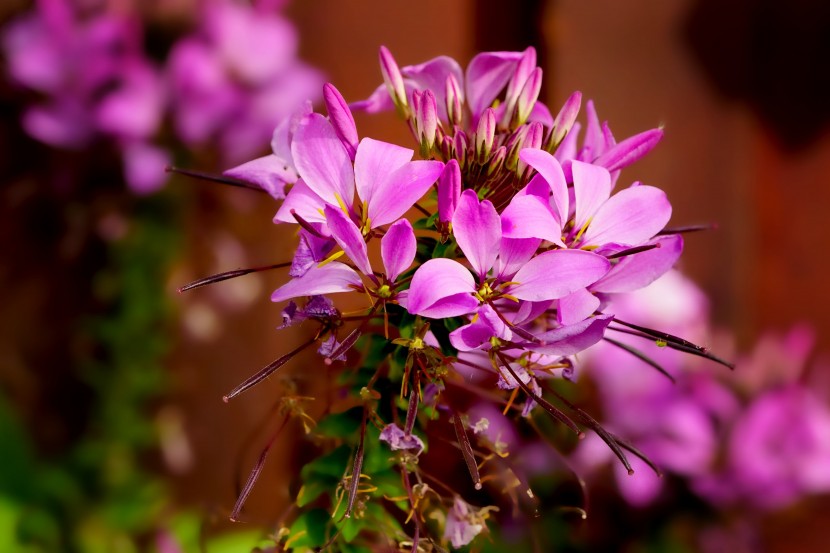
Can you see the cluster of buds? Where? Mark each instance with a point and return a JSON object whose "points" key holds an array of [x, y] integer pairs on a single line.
{"points": [[520, 250]]}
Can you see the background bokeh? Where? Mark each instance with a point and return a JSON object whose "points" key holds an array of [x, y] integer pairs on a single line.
{"points": [[111, 382]]}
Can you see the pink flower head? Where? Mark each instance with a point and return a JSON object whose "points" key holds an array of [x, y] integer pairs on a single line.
{"points": [[226, 90], [95, 83]]}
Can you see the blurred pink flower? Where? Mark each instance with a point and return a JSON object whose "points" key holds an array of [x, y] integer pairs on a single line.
{"points": [[237, 77], [94, 83]]}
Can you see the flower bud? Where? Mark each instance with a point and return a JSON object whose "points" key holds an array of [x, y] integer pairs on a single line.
{"points": [[460, 145], [527, 97], [426, 121], [394, 80], [515, 144], [341, 118], [564, 121], [523, 70], [497, 160], [533, 139], [455, 100], [485, 135], [449, 190]]}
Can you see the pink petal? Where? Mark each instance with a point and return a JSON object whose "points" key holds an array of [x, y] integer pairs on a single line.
{"points": [[322, 161], [398, 248], [487, 75], [592, 188], [576, 306], [399, 190], [528, 217], [348, 237], [477, 229], [514, 253], [594, 144], [551, 171], [572, 339], [268, 172], [432, 75], [304, 201], [377, 102], [477, 334], [341, 118], [629, 150], [441, 288], [641, 269], [555, 274], [331, 278], [374, 162], [630, 216]]}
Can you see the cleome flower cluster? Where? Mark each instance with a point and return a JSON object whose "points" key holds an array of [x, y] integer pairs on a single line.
{"points": [[484, 263]]}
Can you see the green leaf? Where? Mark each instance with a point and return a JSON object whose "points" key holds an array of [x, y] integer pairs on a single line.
{"points": [[309, 530], [341, 425]]}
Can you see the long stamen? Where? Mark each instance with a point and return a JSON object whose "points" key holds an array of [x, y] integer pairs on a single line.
{"points": [[357, 467], [688, 228], [305, 224], [632, 251], [255, 472], [466, 449], [221, 179], [642, 357], [546, 405], [266, 371], [693, 350], [229, 275], [592, 423]]}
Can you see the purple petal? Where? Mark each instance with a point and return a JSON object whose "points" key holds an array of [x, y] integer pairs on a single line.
{"points": [[449, 190], [304, 201], [284, 133], [341, 118], [348, 237], [514, 253], [432, 75], [397, 439], [310, 251], [555, 274], [378, 102], [572, 339], [374, 162], [592, 188], [551, 171], [478, 333], [528, 217], [486, 77], [641, 269], [331, 278], [576, 306], [322, 161], [594, 144], [397, 248], [399, 190], [441, 288], [629, 150], [477, 229], [541, 114], [630, 216], [269, 173]]}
